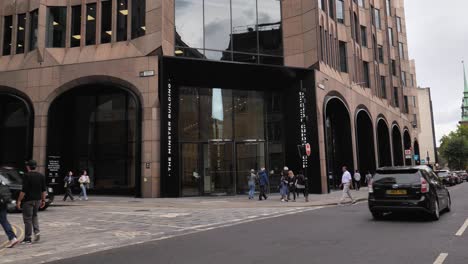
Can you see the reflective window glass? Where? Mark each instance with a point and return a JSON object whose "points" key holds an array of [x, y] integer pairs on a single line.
{"points": [[343, 57], [390, 36], [33, 26], [401, 50], [106, 21], [398, 19], [138, 18], [217, 24], [269, 28], [75, 26], [20, 33], [244, 29], [340, 11], [189, 23], [90, 24], [56, 27], [122, 14], [249, 115], [363, 36], [7, 31]]}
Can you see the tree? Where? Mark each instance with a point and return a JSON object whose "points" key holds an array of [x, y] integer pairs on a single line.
{"points": [[454, 148]]}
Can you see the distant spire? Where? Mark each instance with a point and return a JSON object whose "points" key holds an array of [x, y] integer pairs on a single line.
{"points": [[464, 75], [465, 98]]}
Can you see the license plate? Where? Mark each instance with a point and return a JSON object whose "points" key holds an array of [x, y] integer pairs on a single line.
{"points": [[396, 192]]}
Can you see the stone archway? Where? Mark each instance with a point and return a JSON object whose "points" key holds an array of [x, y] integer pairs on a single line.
{"points": [[383, 143], [365, 142], [397, 146], [417, 158], [407, 145]]}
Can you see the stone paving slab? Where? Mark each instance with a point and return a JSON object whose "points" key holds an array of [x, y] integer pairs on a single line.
{"points": [[82, 227]]}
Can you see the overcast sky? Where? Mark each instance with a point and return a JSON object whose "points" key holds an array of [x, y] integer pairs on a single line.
{"points": [[438, 41]]}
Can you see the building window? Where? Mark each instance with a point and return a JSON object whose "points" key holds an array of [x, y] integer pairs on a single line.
{"points": [[366, 77], [356, 27], [106, 21], [376, 50], [56, 27], [412, 80], [33, 29], [394, 71], [331, 12], [383, 87], [398, 22], [361, 3], [75, 26], [405, 101], [390, 36], [343, 57], [138, 18], [396, 101], [20, 33], [389, 7], [414, 101], [340, 11], [122, 14], [377, 18], [403, 78], [363, 36], [90, 24], [401, 50], [381, 54], [7, 31]]}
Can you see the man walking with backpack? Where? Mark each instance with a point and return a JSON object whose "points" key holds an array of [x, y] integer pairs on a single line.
{"points": [[33, 194], [5, 199]]}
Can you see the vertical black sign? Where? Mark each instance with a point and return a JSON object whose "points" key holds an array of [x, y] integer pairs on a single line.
{"points": [[53, 169]]}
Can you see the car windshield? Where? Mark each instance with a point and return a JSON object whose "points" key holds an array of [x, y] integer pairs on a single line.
{"points": [[407, 177], [10, 177], [442, 174]]}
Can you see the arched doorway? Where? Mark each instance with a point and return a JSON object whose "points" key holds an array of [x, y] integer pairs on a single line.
{"points": [[417, 156], [16, 130], [338, 140], [383, 144], [97, 127], [397, 146], [407, 144], [365, 142]]}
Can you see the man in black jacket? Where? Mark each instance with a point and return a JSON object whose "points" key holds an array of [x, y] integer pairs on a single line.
{"points": [[33, 194]]}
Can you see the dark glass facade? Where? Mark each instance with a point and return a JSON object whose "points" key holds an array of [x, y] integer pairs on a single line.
{"points": [[106, 21], [97, 128], [90, 24], [56, 27], [7, 31], [33, 29], [75, 26], [229, 30], [20, 33]]}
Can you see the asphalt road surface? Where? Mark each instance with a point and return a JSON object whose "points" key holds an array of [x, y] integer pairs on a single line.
{"points": [[329, 235]]}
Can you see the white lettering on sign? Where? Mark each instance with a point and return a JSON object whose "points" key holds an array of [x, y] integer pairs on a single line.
{"points": [[303, 130], [169, 129]]}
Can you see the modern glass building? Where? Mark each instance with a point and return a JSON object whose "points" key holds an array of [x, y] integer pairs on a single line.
{"points": [[184, 97]]}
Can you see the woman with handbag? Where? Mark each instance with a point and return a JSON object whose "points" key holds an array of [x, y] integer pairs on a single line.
{"points": [[84, 184]]}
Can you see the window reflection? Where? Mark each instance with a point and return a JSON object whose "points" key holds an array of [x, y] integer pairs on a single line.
{"points": [[106, 21], [189, 23], [33, 26], [217, 24], [7, 31], [122, 14], [244, 26], [90, 24], [138, 18], [20, 33], [75, 26], [56, 27]]}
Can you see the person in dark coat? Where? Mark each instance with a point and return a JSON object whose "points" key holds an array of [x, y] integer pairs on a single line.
{"points": [[302, 185], [263, 183], [291, 185], [69, 181]]}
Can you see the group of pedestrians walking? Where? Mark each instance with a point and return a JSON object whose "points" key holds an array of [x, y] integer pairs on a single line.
{"points": [[289, 184], [31, 198], [69, 183]]}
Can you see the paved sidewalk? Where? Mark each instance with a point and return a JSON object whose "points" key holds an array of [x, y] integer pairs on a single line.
{"points": [[74, 228]]}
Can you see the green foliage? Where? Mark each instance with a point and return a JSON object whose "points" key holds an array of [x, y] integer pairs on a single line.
{"points": [[454, 148]]}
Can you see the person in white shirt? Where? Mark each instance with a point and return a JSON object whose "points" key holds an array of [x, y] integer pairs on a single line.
{"points": [[346, 182], [357, 180]]}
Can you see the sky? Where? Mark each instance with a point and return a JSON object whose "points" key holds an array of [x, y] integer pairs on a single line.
{"points": [[438, 42]]}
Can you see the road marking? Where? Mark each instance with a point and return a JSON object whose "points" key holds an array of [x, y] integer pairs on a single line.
{"points": [[441, 258], [462, 228]]}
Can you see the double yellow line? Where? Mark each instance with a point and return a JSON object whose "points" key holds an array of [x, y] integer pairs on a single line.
{"points": [[19, 231]]}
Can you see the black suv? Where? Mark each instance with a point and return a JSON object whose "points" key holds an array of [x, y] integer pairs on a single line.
{"points": [[396, 189], [13, 178]]}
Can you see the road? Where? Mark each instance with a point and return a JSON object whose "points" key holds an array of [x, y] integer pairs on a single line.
{"points": [[329, 235]]}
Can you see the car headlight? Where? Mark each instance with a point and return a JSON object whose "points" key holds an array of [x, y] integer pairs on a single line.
{"points": [[50, 190]]}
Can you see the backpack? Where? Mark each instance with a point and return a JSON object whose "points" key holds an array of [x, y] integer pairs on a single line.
{"points": [[5, 194]]}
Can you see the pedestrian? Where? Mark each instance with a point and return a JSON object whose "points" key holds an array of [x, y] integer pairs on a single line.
{"points": [[263, 182], [84, 184], [291, 185], [346, 183], [5, 200], [302, 185], [69, 181], [251, 182], [283, 186], [33, 194], [357, 180], [368, 178]]}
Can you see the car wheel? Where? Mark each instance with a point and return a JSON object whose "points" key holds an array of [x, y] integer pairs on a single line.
{"points": [[436, 213], [377, 215], [449, 204]]}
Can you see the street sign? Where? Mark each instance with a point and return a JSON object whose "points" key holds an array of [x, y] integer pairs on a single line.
{"points": [[407, 151], [307, 149]]}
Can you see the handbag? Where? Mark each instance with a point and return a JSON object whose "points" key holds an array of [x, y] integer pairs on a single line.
{"points": [[300, 186]]}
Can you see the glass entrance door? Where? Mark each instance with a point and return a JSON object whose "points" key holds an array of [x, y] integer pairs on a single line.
{"points": [[192, 180], [218, 168], [250, 155]]}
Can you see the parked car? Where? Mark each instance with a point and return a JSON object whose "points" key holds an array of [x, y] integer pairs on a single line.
{"points": [[13, 178], [456, 178], [462, 175], [397, 189], [446, 177]]}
